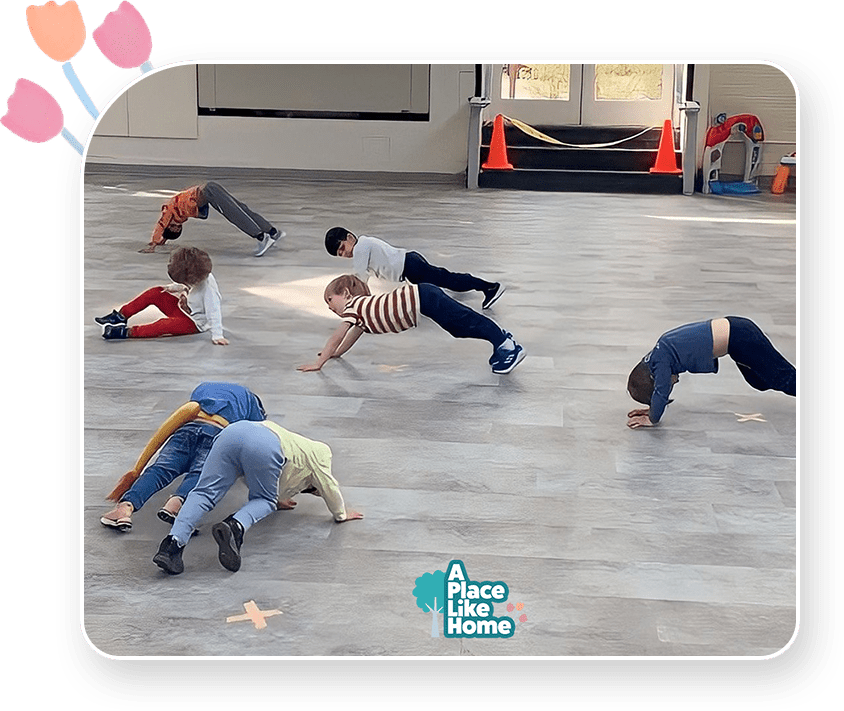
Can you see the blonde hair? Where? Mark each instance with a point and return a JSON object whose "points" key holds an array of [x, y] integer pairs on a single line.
{"points": [[355, 285]]}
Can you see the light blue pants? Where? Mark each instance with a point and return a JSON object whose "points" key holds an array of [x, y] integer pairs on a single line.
{"points": [[246, 449]]}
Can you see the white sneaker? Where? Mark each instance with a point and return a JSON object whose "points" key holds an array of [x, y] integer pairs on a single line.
{"points": [[268, 240]]}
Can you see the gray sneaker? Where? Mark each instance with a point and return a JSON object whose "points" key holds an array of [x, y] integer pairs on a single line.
{"points": [[268, 240]]}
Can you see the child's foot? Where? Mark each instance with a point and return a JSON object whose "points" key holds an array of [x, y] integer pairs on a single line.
{"points": [[113, 332], [492, 295], [229, 536], [268, 240], [120, 517], [169, 556], [114, 318], [170, 510], [507, 356]]}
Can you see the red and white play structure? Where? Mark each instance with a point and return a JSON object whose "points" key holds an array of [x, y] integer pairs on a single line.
{"points": [[750, 129]]}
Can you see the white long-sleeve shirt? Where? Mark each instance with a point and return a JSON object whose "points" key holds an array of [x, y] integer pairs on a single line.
{"points": [[205, 304], [375, 256]]}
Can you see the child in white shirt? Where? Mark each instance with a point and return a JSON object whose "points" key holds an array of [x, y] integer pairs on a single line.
{"points": [[375, 256], [191, 304]]}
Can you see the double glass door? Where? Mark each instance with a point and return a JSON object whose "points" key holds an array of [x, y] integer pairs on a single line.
{"points": [[583, 94]]}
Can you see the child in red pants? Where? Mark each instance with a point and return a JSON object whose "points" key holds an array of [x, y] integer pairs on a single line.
{"points": [[190, 305]]}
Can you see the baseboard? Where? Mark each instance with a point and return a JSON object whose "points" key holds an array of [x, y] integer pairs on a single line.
{"points": [[219, 173]]}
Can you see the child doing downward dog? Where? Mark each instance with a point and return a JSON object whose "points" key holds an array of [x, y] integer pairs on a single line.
{"points": [[398, 310], [194, 202], [190, 305], [696, 348]]}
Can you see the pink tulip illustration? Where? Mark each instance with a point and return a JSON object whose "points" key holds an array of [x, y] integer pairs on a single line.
{"points": [[59, 32], [35, 115], [124, 38]]}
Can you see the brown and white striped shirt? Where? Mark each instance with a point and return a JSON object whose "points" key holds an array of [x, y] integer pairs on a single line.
{"points": [[393, 312]]}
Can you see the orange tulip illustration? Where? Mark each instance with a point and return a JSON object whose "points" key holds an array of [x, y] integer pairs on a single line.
{"points": [[59, 31]]}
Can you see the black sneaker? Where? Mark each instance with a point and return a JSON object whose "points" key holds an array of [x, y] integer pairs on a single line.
{"points": [[229, 536], [504, 360], [115, 331], [169, 556], [114, 318], [492, 295]]}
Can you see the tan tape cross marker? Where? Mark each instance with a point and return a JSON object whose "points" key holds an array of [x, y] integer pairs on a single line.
{"points": [[257, 616], [755, 417]]}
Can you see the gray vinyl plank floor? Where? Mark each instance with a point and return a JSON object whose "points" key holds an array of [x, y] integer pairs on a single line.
{"points": [[678, 540]]}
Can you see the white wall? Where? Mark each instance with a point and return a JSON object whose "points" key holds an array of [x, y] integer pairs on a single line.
{"points": [[435, 146]]}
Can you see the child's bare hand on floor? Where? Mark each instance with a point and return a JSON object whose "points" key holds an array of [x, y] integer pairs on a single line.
{"points": [[639, 421], [220, 341], [637, 413], [309, 367], [285, 504], [352, 515]]}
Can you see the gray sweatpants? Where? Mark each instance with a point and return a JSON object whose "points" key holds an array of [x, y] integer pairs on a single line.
{"points": [[235, 211]]}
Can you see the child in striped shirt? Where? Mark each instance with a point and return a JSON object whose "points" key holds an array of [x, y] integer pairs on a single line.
{"points": [[398, 310]]}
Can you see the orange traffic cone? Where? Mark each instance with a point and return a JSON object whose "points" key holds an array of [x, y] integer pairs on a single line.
{"points": [[666, 162], [497, 158]]}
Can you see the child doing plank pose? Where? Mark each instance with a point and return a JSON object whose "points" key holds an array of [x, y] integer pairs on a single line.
{"points": [[371, 255], [399, 310]]}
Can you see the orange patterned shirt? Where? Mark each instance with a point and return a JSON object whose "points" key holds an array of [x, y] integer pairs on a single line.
{"points": [[177, 211]]}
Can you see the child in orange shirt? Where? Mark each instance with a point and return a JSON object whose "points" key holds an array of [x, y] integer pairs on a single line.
{"points": [[194, 202]]}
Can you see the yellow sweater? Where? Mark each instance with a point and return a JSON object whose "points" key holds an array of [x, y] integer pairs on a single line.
{"points": [[308, 464]]}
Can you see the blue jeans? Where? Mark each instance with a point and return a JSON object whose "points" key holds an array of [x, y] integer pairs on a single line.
{"points": [[246, 449], [184, 453], [418, 271], [762, 365], [456, 318]]}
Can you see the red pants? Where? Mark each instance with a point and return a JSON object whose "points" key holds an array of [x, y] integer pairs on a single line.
{"points": [[175, 323]]}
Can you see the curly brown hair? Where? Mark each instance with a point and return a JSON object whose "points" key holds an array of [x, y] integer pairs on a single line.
{"points": [[355, 286], [189, 266]]}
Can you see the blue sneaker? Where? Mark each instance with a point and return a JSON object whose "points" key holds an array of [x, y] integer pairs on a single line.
{"points": [[504, 359], [114, 318], [114, 332]]}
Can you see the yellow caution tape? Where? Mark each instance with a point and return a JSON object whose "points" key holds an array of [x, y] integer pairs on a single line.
{"points": [[531, 131]]}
